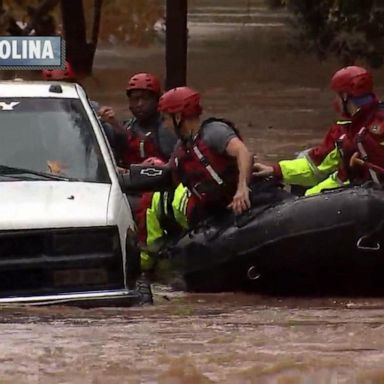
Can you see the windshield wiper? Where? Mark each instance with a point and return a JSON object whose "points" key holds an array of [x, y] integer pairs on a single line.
{"points": [[6, 170]]}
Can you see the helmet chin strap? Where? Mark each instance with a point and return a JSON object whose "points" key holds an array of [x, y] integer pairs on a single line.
{"points": [[177, 125], [344, 101]]}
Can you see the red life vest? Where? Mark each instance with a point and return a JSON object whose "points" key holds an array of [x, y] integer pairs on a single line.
{"points": [[211, 176], [367, 139], [139, 146]]}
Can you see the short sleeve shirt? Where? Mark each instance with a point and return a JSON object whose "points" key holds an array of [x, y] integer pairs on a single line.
{"points": [[217, 134]]}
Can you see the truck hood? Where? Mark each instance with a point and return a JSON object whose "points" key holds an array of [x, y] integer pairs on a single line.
{"points": [[52, 204]]}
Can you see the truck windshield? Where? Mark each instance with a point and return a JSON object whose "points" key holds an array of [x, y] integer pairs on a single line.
{"points": [[50, 135]]}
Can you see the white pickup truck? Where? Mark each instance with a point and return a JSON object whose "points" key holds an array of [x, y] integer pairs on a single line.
{"points": [[66, 226]]}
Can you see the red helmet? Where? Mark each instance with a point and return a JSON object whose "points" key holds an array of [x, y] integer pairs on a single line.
{"points": [[353, 80], [144, 81], [182, 100], [153, 161], [60, 74]]}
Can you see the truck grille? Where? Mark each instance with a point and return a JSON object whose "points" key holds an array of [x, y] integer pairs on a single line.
{"points": [[60, 261]]}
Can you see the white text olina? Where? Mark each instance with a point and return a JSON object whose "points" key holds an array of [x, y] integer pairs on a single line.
{"points": [[26, 49]]}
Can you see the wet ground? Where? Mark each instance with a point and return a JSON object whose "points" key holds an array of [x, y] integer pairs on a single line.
{"points": [[281, 103]]}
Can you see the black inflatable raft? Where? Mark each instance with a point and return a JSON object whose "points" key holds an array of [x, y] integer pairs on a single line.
{"points": [[334, 240]]}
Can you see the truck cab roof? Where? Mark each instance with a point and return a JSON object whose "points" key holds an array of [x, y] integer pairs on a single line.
{"points": [[52, 89]]}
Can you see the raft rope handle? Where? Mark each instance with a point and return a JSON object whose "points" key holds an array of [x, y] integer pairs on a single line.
{"points": [[367, 248], [377, 246], [378, 229]]}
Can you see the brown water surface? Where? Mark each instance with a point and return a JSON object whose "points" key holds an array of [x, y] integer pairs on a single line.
{"points": [[221, 338]]}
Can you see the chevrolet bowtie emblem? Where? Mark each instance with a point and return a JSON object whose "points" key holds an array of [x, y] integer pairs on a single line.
{"points": [[151, 172]]}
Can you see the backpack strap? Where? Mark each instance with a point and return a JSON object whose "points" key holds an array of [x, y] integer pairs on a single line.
{"points": [[205, 162]]}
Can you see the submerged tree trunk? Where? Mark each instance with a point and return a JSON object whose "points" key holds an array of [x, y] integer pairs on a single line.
{"points": [[95, 26], [96, 21], [79, 52], [176, 43]]}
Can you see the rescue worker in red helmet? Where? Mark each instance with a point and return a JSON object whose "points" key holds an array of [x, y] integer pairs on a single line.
{"points": [[319, 168], [210, 158], [144, 135], [361, 147], [211, 169], [68, 74]]}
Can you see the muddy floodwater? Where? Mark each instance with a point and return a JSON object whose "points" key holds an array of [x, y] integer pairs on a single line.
{"points": [[223, 338], [238, 58]]}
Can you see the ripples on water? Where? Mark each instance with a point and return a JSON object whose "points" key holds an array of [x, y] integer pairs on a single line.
{"points": [[197, 339]]}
